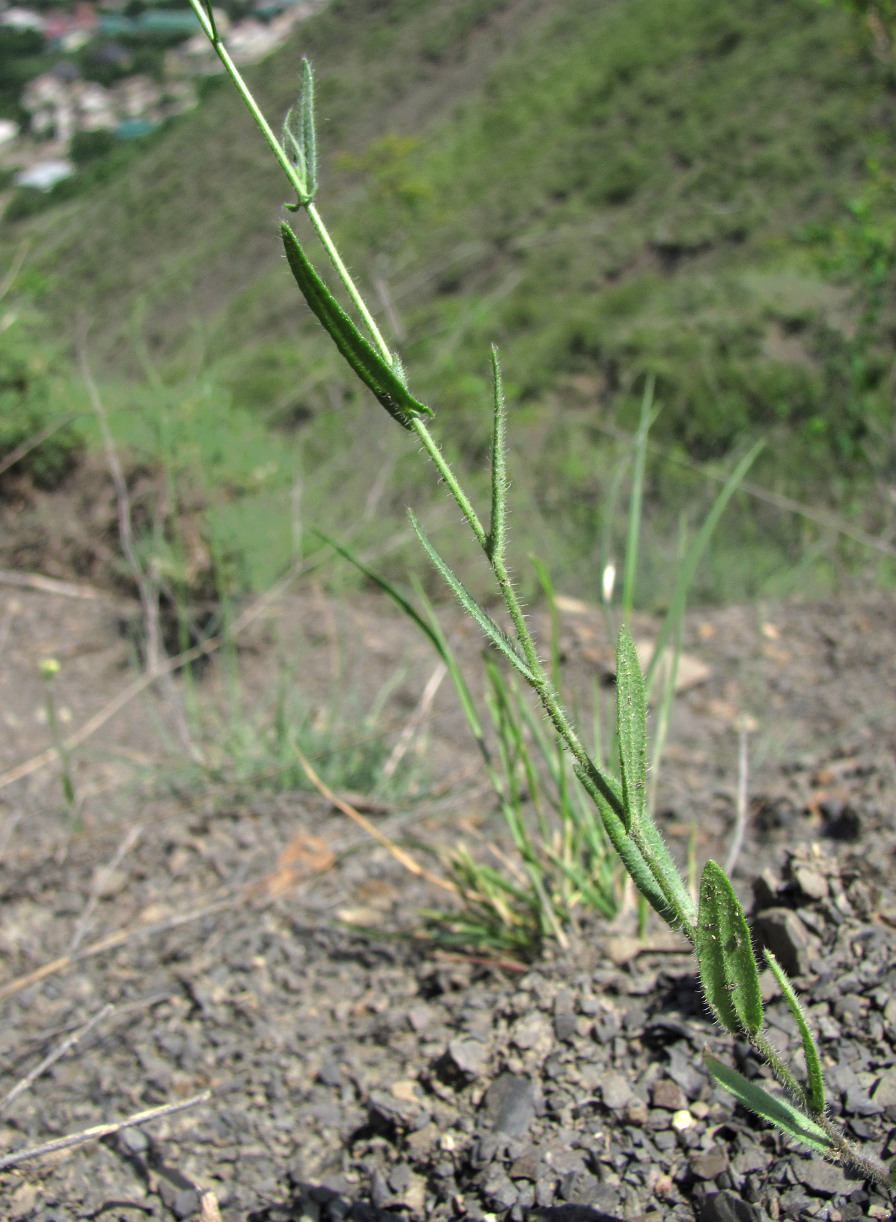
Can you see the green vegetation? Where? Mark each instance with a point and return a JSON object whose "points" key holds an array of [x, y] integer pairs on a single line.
{"points": [[656, 186], [716, 930]]}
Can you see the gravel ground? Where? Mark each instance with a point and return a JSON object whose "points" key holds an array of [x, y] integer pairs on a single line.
{"points": [[373, 1075]]}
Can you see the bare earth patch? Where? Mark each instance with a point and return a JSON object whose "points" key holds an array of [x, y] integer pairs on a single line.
{"points": [[369, 1074]]}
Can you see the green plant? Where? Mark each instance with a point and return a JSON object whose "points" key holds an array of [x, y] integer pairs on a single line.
{"points": [[716, 927], [49, 669]]}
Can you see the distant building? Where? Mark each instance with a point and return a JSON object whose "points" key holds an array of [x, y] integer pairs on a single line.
{"points": [[69, 30], [45, 174], [8, 132], [22, 19]]}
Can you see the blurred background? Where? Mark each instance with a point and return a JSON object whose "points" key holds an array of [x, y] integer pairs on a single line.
{"points": [[697, 192]]}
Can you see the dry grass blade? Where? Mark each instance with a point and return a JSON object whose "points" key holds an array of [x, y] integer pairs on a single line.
{"points": [[102, 1130], [52, 1057], [403, 858], [49, 585], [113, 940], [415, 721]]}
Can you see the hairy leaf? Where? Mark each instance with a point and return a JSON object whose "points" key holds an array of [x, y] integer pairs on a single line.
{"points": [[661, 859], [626, 848], [810, 1052], [777, 1111], [299, 138], [632, 725], [725, 956], [498, 638], [366, 362]]}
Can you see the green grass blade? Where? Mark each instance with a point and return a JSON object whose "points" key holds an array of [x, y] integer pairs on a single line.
{"points": [[725, 956], [636, 502], [810, 1051], [430, 629], [631, 720], [496, 533], [686, 570], [363, 358], [779, 1112], [498, 638]]}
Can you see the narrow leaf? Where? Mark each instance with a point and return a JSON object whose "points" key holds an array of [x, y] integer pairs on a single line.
{"points": [[366, 362], [499, 467], [306, 128], [626, 848], [725, 956], [777, 1111], [685, 569], [299, 139], [810, 1051], [663, 862], [632, 730], [636, 499], [498, 638]]}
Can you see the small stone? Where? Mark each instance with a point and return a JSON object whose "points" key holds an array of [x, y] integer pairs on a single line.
{"points": [[823, 1178], [782, 931], [329, 1074], [710, 1164], [532, 1031], [752, 1158], [682, 1121], [668, 1095], [509, 1104], [622, 948], [566, 1027], [182, 1202], [134, 1141], [616, 1090], [884, 1094], [465, 1057], [812, 884], [729, 1207]]}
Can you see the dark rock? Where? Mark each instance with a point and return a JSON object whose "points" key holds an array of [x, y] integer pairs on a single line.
{"points": [[499, 1189], [884, 1093], [134, 1141], [729, 1207], [710, 1164], [182, 1202], [617, 1091], [844, 825], [668, 1095], [823, 1178], [329, 1073], [565, 1027], [463, 1059], [782, 931], [509, 1104], [578, 1187]]}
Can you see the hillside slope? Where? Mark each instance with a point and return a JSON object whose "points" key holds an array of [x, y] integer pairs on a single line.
{"points": [[605, 190]]}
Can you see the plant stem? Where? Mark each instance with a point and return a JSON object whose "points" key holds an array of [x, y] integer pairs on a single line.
{"points": [[291, 173], [233, 72], [868, 1166]]}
